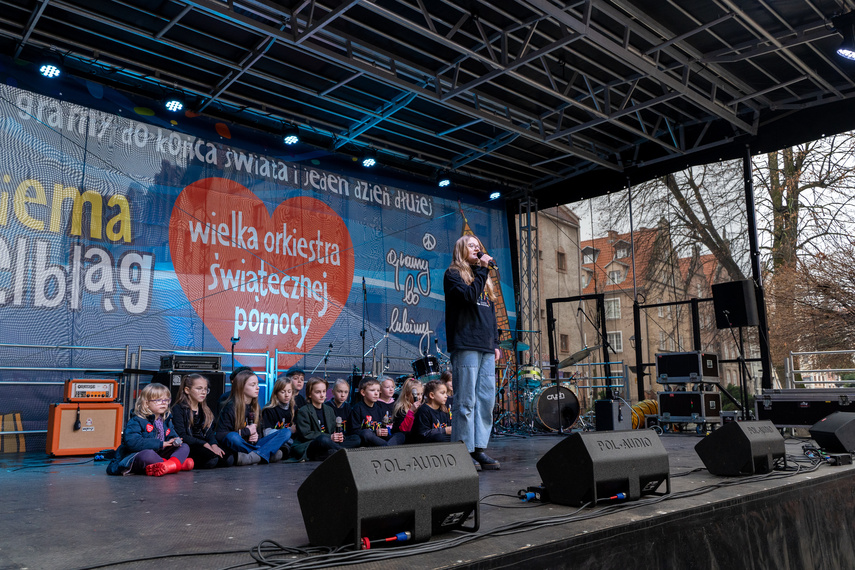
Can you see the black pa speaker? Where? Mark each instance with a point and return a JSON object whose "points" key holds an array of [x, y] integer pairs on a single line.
{"points": [[735, 304], [835, 432], [378, 492], [588, 466], [216, 383], [741, 448]]}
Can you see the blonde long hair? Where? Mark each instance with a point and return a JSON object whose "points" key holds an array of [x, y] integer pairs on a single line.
{"points": [[405, 397], [240, 401], [459, 263]]}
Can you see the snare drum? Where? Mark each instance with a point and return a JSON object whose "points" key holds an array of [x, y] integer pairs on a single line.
{"points": [[530, 377], [427, 369], [554, 407]]}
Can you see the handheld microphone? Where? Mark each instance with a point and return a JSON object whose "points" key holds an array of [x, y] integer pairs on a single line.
{"points": [[415, 395], [491, 264], [338, 425]]}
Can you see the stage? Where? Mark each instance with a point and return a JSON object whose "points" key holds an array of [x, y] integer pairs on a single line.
{"points": [[67, 513]]}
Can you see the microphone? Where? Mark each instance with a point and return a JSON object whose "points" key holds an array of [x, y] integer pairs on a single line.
{"points": [[415, 394], [491, 264], [338, 425]]}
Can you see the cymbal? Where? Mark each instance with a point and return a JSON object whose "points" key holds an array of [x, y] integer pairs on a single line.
{"points": [[578, 356], [509, 345]]}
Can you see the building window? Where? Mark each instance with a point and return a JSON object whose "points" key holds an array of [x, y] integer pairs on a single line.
{"points": [[543, 314], [663, 340], [564, 343], [615, 276], [589, 255], [586, 278], [621, 252], [561, 261], [660, 310], [616, 340], [612, 308]]}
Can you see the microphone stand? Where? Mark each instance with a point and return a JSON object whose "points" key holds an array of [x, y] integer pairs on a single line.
{"points": [[371, 350], [234, 341], [325, 359]]}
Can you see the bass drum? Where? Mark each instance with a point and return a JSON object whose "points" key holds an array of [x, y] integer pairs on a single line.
{"points": [[554, 407], [427, 369]]}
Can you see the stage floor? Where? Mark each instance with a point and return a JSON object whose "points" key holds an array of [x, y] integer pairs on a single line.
{"points": [[67, 513]]}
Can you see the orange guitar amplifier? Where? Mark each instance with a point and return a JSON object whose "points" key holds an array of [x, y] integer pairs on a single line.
{"points": [[100, 428], [82, 390]]}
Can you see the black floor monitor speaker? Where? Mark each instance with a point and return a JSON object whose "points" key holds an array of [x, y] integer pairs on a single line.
{"points": [[835, 432], [735, 304], [588, 466], [741, 448], [378, 492]]}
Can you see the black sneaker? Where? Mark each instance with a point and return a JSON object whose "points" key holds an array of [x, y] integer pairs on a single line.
{"points": [[477, 465], [486, 462]]}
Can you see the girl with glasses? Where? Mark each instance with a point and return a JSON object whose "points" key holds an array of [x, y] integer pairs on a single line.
{"points": [[150, 444], [194, 423]]}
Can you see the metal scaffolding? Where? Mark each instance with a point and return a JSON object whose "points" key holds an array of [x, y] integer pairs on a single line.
{"points": [[529, 311]]}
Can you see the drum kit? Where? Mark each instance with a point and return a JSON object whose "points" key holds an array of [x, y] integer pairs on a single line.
{"points": [[545, 404]]}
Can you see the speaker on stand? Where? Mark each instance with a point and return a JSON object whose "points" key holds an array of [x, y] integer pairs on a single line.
{"points": [[735, 305]]}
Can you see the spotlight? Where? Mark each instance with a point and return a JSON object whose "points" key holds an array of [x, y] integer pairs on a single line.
{"points": [[845, 24], [495, 195], [291, 134], [443, 179], [50, 68], [369, 159], [174, 103]]}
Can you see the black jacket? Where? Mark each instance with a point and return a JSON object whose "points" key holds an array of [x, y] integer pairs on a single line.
{"points": [[429, 422], [226, 421], [182, 417], [470, 317]]}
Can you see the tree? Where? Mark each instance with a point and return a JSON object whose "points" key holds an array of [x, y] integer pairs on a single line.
{"points": [[804, 202]]}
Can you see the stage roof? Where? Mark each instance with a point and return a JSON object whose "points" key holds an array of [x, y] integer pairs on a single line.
{"points": [[562, 99]]}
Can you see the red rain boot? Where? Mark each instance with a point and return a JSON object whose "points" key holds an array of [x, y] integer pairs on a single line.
{"points": [[165, 467], [187, 465]]}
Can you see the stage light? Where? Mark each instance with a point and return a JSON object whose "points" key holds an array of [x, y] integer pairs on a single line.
{"points": [[291, 134], [845, 24], [174, 104], [495, 195], [443, 179], [369, 159], [50, 68]]}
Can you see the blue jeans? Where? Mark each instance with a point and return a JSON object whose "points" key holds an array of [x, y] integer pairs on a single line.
{"points": [[265, 446], [474, 375]]}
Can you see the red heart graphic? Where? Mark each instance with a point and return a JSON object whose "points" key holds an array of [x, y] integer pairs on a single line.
{"points": [[276, 281]]}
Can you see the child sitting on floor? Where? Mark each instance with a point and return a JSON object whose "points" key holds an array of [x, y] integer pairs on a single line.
{"points": [[338, 403], [371, 420], [318, 433], [387, 391], [149, 442], [279, 413], [408, 402], [433, 421], [194, 423], [237, 426]]}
